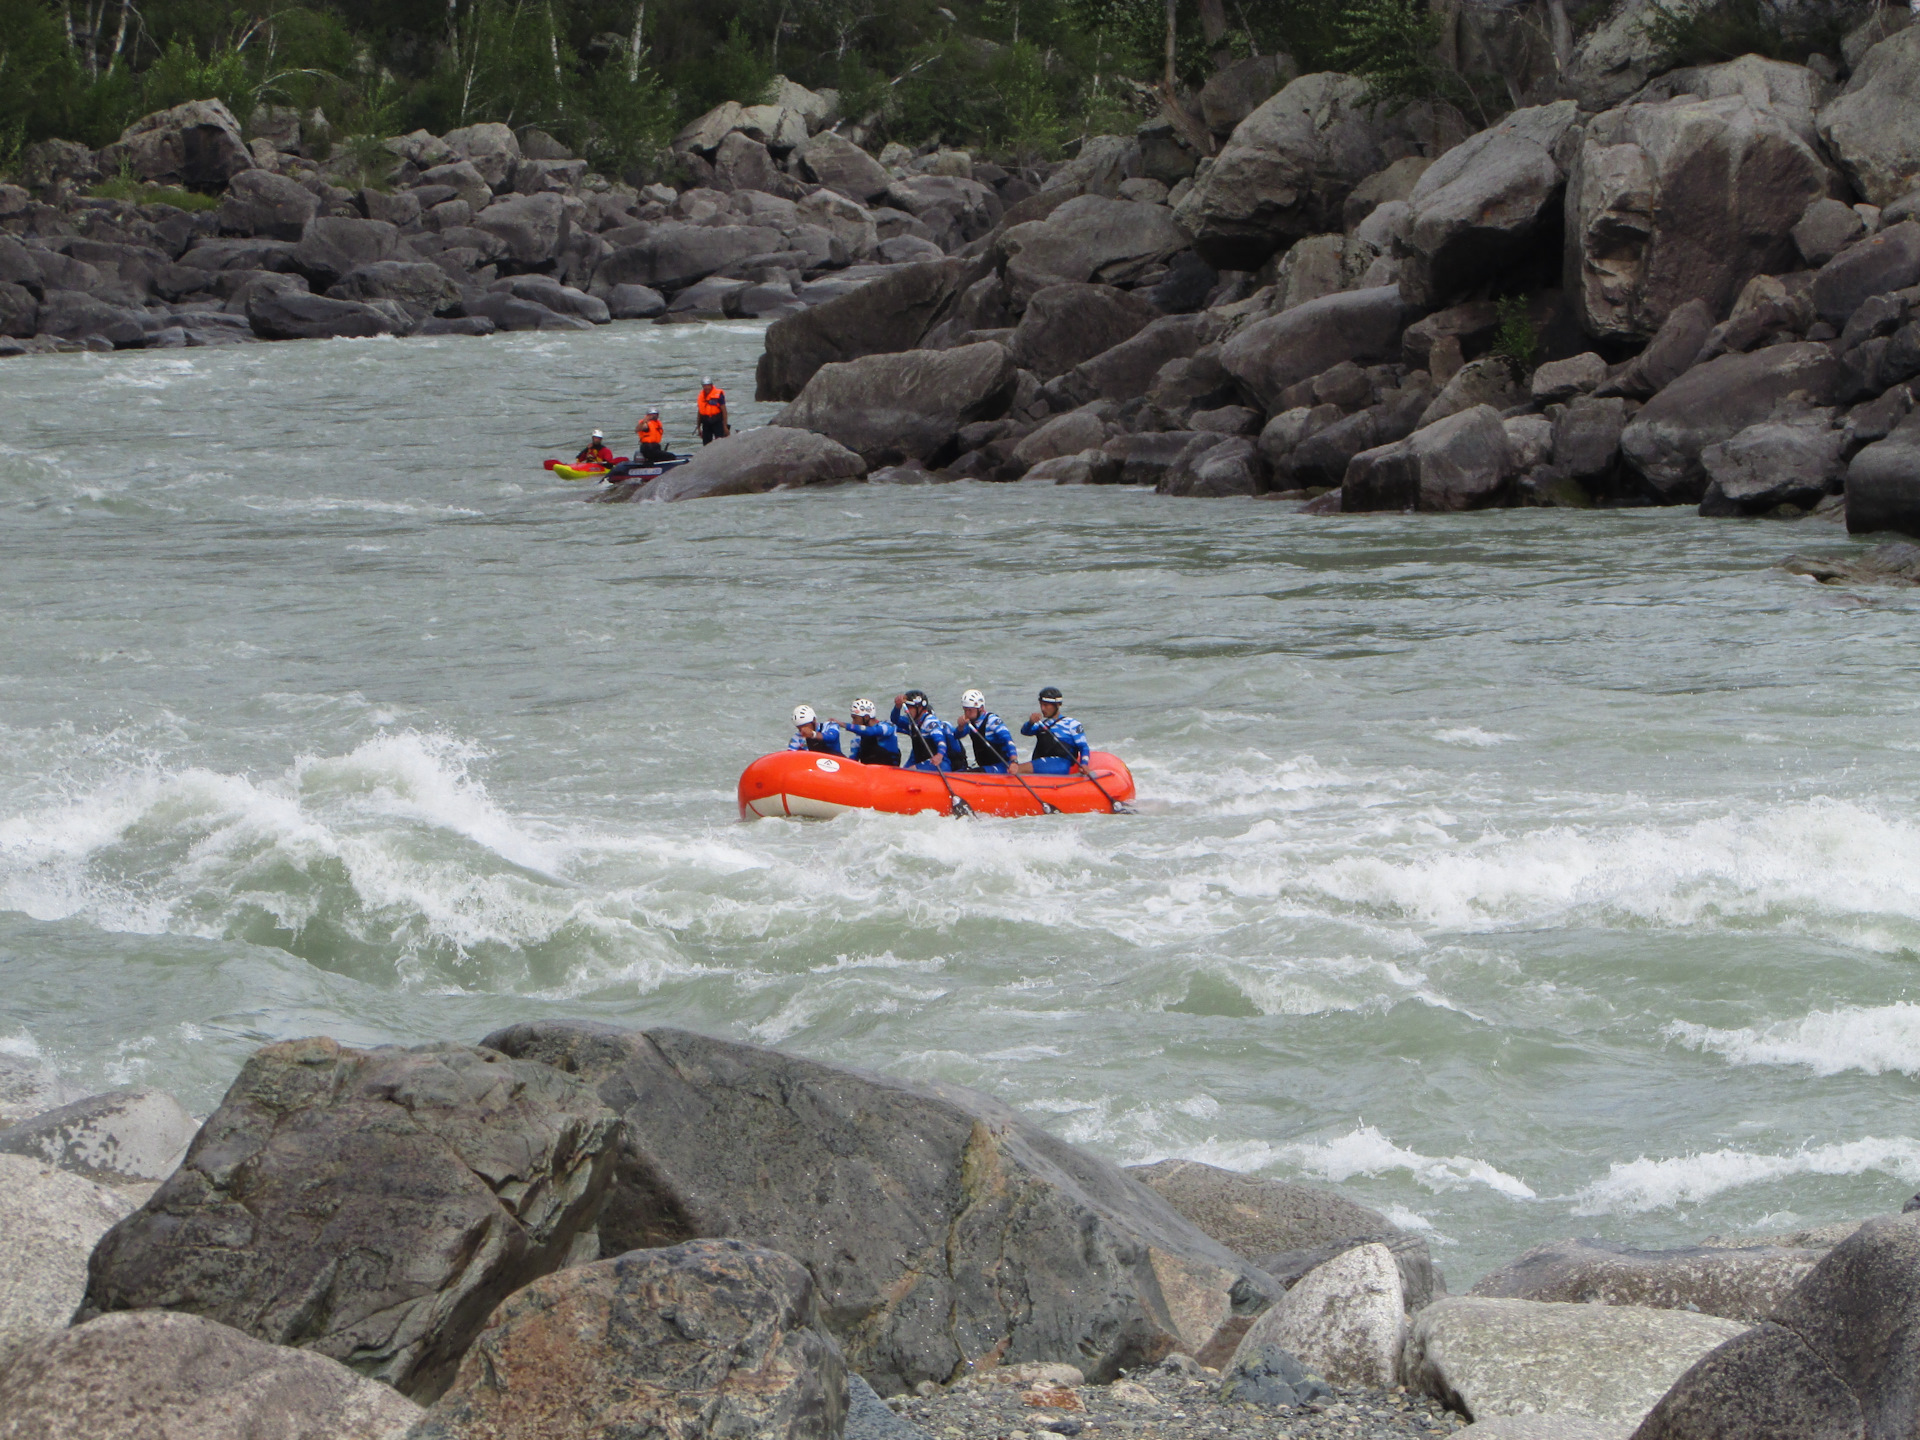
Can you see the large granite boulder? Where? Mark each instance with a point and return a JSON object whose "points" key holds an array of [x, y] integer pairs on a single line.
{"points": [[674, 256], [1873, 128], [846, 221], [1213, 465], [492, 149], [1068, 323], [1669, 355], [372, 1205], [1520, 1357], [197, 145], [259, 202], [50, 1220], [1682, 200], [466, 182], [285, 314], [534, 228], [883, 316], [911, 406], [753, 462], [1883, 483], [1743, 1284], [73, 315], [957, 211], [333, 246], [121, 1136], [1128, 369], [414, 283], [1875, 266], [1272, 354], [1479, 209], [1778, 462], [1343, 1319], [843, 167], [1463, 462], [1716, 401], [19, 311], [1113, 242], [709, 1340], [938, 1225], [1289, 167], [155, 1375], [1621, 54]]}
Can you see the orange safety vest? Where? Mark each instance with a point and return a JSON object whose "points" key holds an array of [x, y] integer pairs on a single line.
{"points": [[712, 400], [649, 431]]}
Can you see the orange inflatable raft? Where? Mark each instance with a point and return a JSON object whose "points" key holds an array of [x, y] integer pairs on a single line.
{"points": [[806, 783]]}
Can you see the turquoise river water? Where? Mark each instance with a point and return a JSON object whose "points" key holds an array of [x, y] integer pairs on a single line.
{"points": [[1526, 874]]}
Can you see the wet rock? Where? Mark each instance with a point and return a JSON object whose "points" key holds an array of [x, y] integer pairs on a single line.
{"points": [[1343, 1319], [1147, 458], [1067, 324], [914, 1206], [197, 145], [71, 315], [634, 302], [1212, 464], [887, 315], [508, 311], [1873, 128], [1087, 428], [1321, 457], [259, 202], [1736, 1284], [277, 314], [1717, 400], [155, 1375], [752, 462], [1765, 466], [1089, 238], [411, 282], [452, 1177], [1478, 211], [1645, 235], [1881, 263], [1519, 1357], [491, 149], [1272, 354], [1668, 356], [714, 1338], [19, 311], [889, 408], [1460, 463], [113, 1138], [50, 1220], [561, 299], [1883, 483]]}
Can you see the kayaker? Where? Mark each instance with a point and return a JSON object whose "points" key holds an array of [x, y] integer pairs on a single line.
{"points": [[879, 742], [931, 737], [713, 412], [981, 741], [810, 732], [596, 452], [652, 436], [1059, 744]]}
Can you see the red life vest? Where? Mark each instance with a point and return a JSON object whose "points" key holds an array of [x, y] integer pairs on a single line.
{"points": [[594, 455]]}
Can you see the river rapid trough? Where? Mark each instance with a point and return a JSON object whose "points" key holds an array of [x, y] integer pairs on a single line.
{"points": [[1527, 873]]}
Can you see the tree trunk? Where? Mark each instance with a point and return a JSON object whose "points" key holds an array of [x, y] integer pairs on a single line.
{"points": [[553, 43], [779, 24], [119, 36], [1562, 31], [633, 45], [1172, 37], [1213, 26]]}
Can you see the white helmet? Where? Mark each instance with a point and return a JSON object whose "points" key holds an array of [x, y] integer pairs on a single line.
{"points": [[598, 436], [973, 700], [803, 715], [862, 707]]}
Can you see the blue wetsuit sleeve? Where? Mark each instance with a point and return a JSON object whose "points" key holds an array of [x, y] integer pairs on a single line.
{"points": [[796, 741]]}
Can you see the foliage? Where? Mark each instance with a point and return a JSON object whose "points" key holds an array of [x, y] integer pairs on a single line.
{"points": [[1727, 29], [1518, 339], [735, 70], [124, 187]]}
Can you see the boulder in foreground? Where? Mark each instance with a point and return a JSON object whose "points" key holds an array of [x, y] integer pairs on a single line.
{"points": [[1741, 1284], [1343, 1319], [752, 463], [50, 1220], [120, 1136], [704, 1341], [890, 408], [938, 1225]]}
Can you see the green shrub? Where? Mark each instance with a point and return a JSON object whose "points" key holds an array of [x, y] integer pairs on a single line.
{"points": [[1728, 29], [124, 187], [1517, 340]]}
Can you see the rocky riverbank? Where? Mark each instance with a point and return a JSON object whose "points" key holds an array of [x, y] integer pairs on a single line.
{"points": [[571, 1230]]}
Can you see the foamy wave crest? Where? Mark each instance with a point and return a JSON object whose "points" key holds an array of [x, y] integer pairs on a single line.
{"points": [[1365, 1151], [1871, 1039], [1472, 736], [1640, 1185]]}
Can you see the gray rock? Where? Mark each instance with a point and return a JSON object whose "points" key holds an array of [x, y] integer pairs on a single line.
{"points": [[1564, 379], [259, 202], [1530, 439], [29, 1087], [1089, 467], [1717, 400], [1214, 465], [1767, 1384], [1543, 1427], [1461, 463], [508, 311], [1272, 354], [113, 1138], [155, 1375], [890, 314], [533, 228], [1234, 92], [1644, 236], [1254, 1217], [1441, 342], [452, 1177], [741, 163], [1620, 54], [333, 246], [1487, 381], [1879, 264], [1792, 93], [843, 167], [1736, 1284], [50, 1220], [1827, 228], [870, 1418], [1070, 323], [411, 282], [635, 302], [1343, 1319], [1883, 483], [1789, 462], [400, 208], [197, 145], [1478, 210], [71, 315], [956, 211], [709, 1340], [889, 408], [277, 314], [420, 147], [906, 250], [937, 1224], [1270, 1378], [1873, 129], [674, 256], [48, 165], [491, 149], [1289, 167], [703, 136], [752, 462], [19, 311], [1104, 164], [1668, 356], [1320, 456], [1148, 457], [1089, 238], [1087, 428], [1128, 369], [1768, 311], [561, 299], [1607, 1363], [1586, 436], [468, 185], [534, 177]]}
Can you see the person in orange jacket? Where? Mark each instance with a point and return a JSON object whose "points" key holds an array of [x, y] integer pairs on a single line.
{"points": [[652, 436], [713, 412]]}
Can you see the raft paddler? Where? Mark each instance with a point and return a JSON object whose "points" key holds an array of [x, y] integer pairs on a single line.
{"points": [[929, 737], [982, 741], [878, 742], [712, 406], [595, 452], [652, 437], [810, 732], [1059, 745]]}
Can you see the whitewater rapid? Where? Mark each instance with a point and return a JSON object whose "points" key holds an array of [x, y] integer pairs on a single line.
{"points": [[1525, 874]]}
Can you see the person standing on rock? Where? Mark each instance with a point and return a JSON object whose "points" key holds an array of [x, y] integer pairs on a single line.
{"points": [[930, 736], [713, 412], [652, 436], [1059, 744], [879, 742], [812, 733], [596, 452], [981, 741]]}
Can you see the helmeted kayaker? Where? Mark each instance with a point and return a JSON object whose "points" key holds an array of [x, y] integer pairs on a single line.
{"points": [[981, 741], [652, 436], [1060, 745], [879, 742], [930, 737], [810, 732], [713, 412], [596, 452]]}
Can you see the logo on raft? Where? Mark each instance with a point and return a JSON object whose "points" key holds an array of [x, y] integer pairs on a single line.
{"points": [[825, 764]]}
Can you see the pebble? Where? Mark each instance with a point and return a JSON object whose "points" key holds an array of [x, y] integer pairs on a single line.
{"points": [[1165, 1402]]}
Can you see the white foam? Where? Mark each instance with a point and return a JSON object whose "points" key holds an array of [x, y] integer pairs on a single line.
{"points": [[1640, 1185], [1364, 1150], [1872, 1040], [1472, 736]]}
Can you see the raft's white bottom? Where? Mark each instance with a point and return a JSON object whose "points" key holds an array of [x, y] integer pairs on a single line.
{"points": [[802, 806]]}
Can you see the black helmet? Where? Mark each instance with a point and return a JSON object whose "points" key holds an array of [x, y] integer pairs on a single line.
{"points": [[1051, 695], [914, 697]]}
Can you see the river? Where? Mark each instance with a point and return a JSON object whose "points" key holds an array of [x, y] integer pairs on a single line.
{"points": [[1529, 874]]}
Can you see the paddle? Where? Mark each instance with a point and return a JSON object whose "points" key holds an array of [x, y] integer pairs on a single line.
{"points": [[959, 806], [1010, 761], [1113, 805]]}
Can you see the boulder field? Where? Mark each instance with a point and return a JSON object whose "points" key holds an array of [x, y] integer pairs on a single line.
{"points": [[571, 1231]]}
